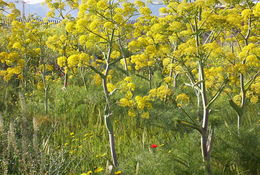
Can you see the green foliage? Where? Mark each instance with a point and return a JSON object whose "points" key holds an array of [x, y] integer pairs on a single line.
{"points": [[237, 154]]}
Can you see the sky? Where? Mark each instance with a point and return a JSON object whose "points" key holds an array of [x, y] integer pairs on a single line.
{"points": [[36, 7], [34, 1]]}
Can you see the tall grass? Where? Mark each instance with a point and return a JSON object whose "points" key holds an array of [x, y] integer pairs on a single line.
{"points": [[71, 138]]}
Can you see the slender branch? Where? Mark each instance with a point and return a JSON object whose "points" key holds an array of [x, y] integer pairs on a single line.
{"points": [[115, 61], [97, 71], [190, 75], [248, 31], [212, 32], [143, 77], [217, 93], [199, 27], [96, 34], [183, 110], [248, 84], [188, 124]]}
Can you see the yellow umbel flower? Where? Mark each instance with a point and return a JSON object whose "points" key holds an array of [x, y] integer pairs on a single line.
{"points": [[128, 79], [73, 60], [125, 102], [145, 115], [88, 173], [182, 99], [115, 54], [168, 79], [98, 170], [61, 61], [237, 99], [17, 45], [110, 87], [145, 11], [109, 25], [102, 5], [132, 113], [118, 172]]}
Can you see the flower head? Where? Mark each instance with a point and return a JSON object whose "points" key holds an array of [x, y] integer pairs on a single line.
{"points": [[154, 146], [118, 172]]}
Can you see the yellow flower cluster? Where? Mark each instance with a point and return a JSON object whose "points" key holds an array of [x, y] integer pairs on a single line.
{"points": [[62, 61], [256, 10], [97, 79], [11, 72], [135, 104], [186, 50], [214, 49], [214, 76], [255, 87], [182, 99], [145, 11], [252, 61], [126, 102], [18, 45], [115, 54], [71, 27], [48, 67], [162, 92], [74, 60], [110, 87], [142, 60], [168, 79], [143, 102], [237, 99], [14, 63], [247, 50]]}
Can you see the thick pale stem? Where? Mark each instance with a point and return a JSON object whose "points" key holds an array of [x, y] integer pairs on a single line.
{"points": [[203, 97], [108, 123], [35, 134], [206, 153], [175, 85], [1, 124], [243, 99], [150, 78], [83, 78], [238, 121], [65, 83], [45, 91], [242, 80], [197, 92], [108, 112], [125, 64], [112, 149], [24, 125], [123, 54], [242, 90], [205, 118], [44, 83], [46, 100]]}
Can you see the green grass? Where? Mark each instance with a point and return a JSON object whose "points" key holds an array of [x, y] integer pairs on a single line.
{"points": [[72, 138]]}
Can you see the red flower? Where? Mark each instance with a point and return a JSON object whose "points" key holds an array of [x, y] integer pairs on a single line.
{"points": [[154, 146]]}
